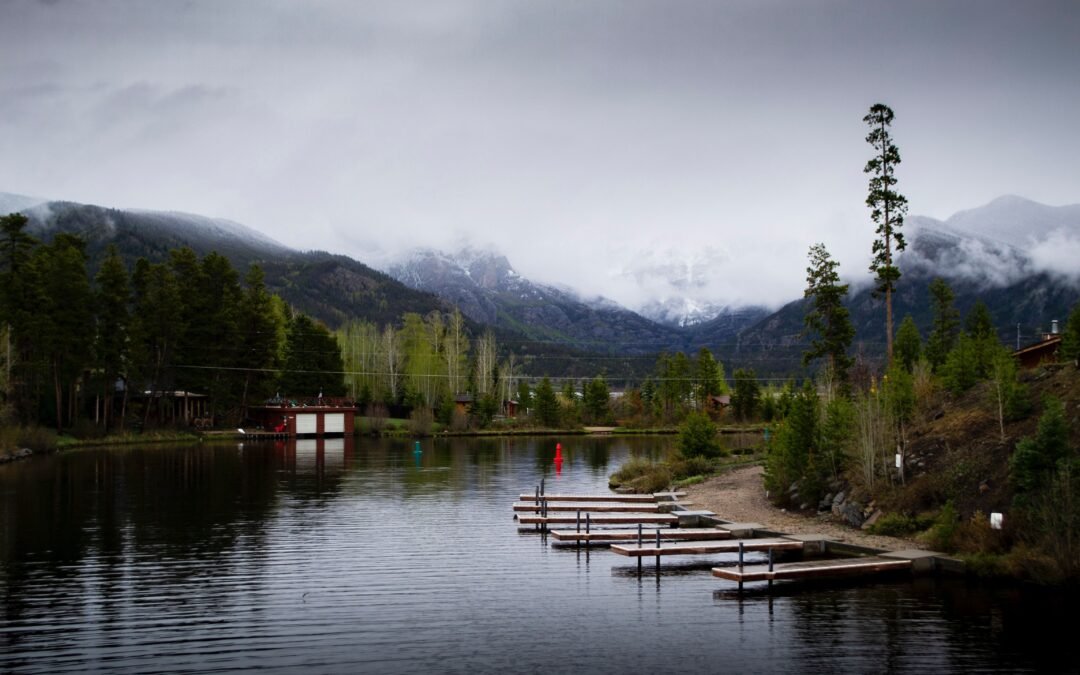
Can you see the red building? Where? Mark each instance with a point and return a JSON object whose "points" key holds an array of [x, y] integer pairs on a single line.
{"points": [[306, 420]]}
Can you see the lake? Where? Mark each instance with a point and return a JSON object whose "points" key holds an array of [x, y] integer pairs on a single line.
{"points": [[351, 556]]}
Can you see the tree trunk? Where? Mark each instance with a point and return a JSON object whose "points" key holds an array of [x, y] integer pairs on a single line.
{"points": [[59, 395]]}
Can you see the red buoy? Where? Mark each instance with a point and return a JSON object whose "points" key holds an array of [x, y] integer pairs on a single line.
{"points": [[558, 452]]}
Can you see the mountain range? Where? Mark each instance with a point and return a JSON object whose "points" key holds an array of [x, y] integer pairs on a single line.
{"points": [[1014, 254]]}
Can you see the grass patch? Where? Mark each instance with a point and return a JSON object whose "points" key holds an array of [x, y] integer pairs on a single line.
{"points": [[38, 439], [692, 480], [641, 476]]}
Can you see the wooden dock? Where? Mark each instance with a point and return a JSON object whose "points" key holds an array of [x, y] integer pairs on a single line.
{"points": [[588, 507], [649, 534], [706, 547], [634, 499], [814, 569], [601, 519]]}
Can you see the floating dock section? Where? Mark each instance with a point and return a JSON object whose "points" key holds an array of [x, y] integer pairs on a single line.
{"points": [[666, 527]]}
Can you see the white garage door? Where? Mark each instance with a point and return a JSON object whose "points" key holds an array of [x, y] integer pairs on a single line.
{"points": [[334, 423], [307, 424]]}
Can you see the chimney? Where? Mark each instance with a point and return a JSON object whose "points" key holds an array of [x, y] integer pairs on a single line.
{"points": [[1054, 327]]}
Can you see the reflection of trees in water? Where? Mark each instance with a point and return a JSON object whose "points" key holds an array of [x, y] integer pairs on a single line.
{"points": [[147, 521]]}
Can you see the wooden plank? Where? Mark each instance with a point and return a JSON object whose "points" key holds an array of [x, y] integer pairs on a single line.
{"points": [[668, 495], [591, 498], [600, 519], [648, 533], [813, 569], [596, 507], [705, 547]]}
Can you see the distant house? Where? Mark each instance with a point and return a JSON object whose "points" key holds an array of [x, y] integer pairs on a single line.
{"points": [[173, 407], [1046, 350], [463, 403], [510, 408], [718, 403]]}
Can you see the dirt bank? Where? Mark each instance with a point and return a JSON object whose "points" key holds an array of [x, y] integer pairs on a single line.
{"points": [[739, 495]]}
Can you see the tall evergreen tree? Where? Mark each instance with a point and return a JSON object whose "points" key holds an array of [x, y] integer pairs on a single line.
{"points": [[19, 299], [157, 326], [828, 317], [746, 395], [111, 346], [908, 346], [547, 405], [708, 377], [313, 362], [596, 399], [887, 209], [1070, 337], [979, 325], [946, 326], [67, 312], [262, 332]]}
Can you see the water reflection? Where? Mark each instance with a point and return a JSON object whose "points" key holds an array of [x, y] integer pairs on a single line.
{"points": [[349, 555]]}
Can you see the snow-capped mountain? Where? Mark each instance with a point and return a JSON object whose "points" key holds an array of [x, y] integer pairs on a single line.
{"points": [[487, 289]]}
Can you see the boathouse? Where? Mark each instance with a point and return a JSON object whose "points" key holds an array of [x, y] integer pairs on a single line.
{"points": [[306, 420]]}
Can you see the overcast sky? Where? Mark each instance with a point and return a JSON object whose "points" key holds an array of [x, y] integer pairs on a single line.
{"points": [[580, 137]]}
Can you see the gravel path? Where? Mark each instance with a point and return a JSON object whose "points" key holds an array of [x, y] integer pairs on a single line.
{"points": [[739, 496]]}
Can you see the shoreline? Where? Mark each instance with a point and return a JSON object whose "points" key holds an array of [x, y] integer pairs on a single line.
{"points": [[738, 495]]}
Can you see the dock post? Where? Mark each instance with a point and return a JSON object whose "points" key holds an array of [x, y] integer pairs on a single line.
{"points": [[541, 486], [588, 522], [658, 551], [537, 502], [639, 543], [579, 523], [545, 528], [741, 550], [770, 567]]}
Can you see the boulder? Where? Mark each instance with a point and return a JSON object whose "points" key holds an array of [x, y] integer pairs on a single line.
{"points": [[852, 513]]}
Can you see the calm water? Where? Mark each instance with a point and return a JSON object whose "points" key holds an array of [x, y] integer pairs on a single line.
{"points": [[365, 557]]}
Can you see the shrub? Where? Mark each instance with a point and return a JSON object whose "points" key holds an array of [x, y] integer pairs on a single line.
{"points": [[900, 525], [940, 536], [686, 467], [377, 415], [421, 420], [459, 420], [641, 476], [697, 437]]}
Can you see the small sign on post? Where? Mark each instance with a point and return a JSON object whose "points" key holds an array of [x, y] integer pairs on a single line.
{"points": [[899, 460], [996, 520]]}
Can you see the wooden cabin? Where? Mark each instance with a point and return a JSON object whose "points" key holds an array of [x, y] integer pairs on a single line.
{"points": [[176, 407], [1045, 351]]}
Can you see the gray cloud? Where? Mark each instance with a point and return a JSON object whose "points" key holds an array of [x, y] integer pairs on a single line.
{"points": [[579, 138]]}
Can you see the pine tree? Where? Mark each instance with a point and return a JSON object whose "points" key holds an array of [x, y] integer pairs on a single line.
{"points": [[887, 209], [979, 325], [746, 395], [1070, 338], [313, 362], [946, 326], [908, 346], [708, 377], [111, 346], [596, 400], [828, 317], [547, 405], [67, 312], [262, 333], [19, 299]]}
